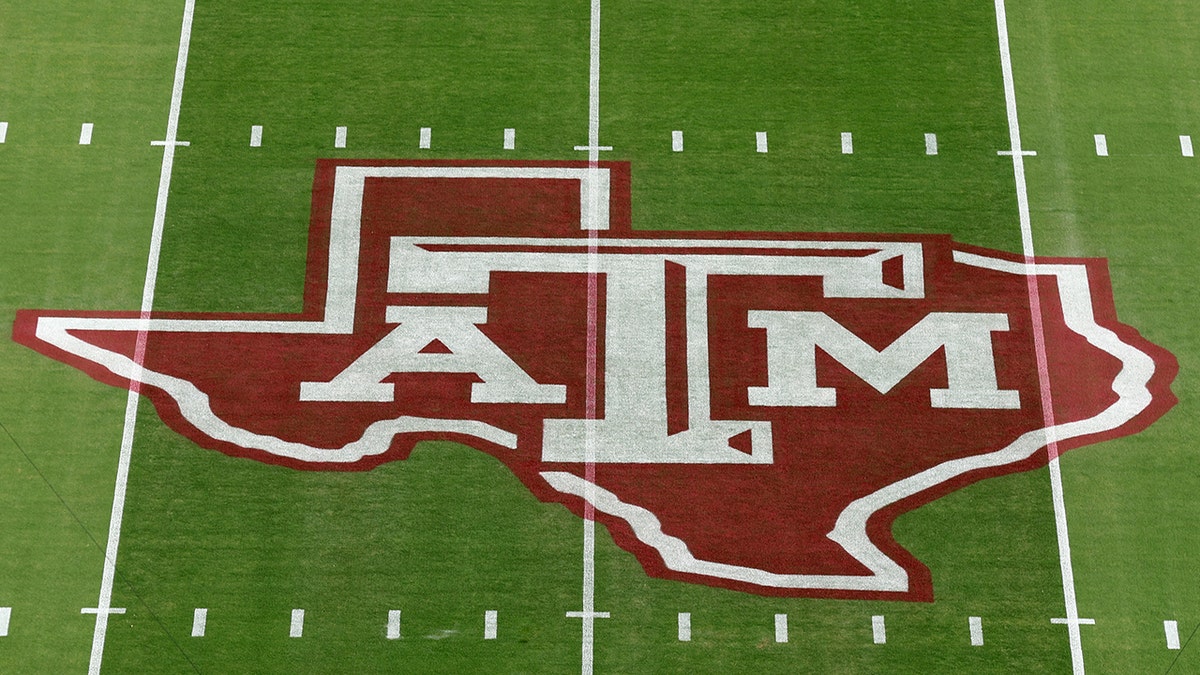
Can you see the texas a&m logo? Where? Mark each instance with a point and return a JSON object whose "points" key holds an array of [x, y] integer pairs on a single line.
{"points": [[747, 410]]}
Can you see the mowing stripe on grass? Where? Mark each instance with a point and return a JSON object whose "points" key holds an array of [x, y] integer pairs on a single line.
{"points": [[677, 141], [1056, 488], [1101, 145], [847, 143], [85, 133], [975, 624], [104, 607], [878, 630], [256, 136], [760, 141], [393, 624], [3, 131], [426, 134], [1171, 628], [931, 144], [296, 629], [510, 139], [5, 615], [1185, 146], [199, 621], [339, 137], [489, 625], [781, 628], [685, 626]]}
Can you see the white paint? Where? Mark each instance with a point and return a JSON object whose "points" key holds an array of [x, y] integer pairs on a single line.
{"points": [[199, 621], [296, 629], [1101, 145], [5, 615], [975, 624], [393, 624], [426, 133], [878, 630], [677, 141], [1171, 628], [3, 131], [847, 143], [685, 626], [489, 625], [1185, 145], [781, 628], [931, 144], [104, 606], [510, 139], [760, 141], [1096, 333], [85, 133], [256, 136], [339, 137]]}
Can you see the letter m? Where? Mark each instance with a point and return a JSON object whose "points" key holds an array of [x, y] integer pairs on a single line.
{"points": [[793, 339]]}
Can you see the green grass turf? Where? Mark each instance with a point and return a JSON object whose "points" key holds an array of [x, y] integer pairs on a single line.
{"points": [[252, 541]]}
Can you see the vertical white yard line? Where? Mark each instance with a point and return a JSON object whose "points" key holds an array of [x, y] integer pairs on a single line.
{"points": [[5, 615], [685, 626], [425, 136], [878, 630], [104, 607], [1072, 620], [393, 624], [1101, 144], [781, 628], [676, 141], [847, 143], [339, 137], [85, 133], [975, 626], [489, 625], [1171, 629], [199, 621], [1185, 145], [296, 628], [510, 139], [4, 131], [760, 141], [256, 136], [931, 144]]}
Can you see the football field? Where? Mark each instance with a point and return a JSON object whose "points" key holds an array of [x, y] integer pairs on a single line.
{"points": [[184, 160]]}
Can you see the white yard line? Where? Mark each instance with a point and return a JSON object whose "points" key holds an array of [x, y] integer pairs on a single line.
{"points": [[1171, 629], [878, 630], [676, 141], [781, 628], [510, 139], [489, 625], [1185, 145], [975, 625], [393, 624], [296, 628], [685, 626], [6, 614], [847, 143], [760, 141], [3, 131], [256, 136], [104, 607], [339, 137], [931, 144], [1101, 145], [1072, 619], [85, 133], [199, 621], [425, 138]]}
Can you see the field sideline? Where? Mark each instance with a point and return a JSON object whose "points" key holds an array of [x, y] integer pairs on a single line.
{"points": [[124, 139]]}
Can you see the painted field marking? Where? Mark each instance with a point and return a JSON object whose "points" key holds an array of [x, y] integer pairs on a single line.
{"points": [[931, 144], [781, 628], [878, 630], [1171, 628], [510, 139], [6, 614], [85, 133], [760, 141], [426, 134], [297, 627], [590, 148], [685, 626], [1073, 622], [170, 143], [976, 625], [1101, 145], [1185, 145], [393, 624], [339, 137], [676, 141], [199, 621], [489, 625], [847, 143], [3, 131], [256, 136]]}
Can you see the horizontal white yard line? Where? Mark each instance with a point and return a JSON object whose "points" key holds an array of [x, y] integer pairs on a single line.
{"points": [[878, 630], [685, 627], [676, 141], [510, 139], [1171, 628], [760, 141], [339, 137], [1101, 145], [976, 625], [393, 624], [3, 131], [5, 615], [256, 136], [847, 143], [426, 134], [1185, 145], [489, 625], [297, 628], [85, 133], [931, 144], [199, 621], [781, 628]]}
